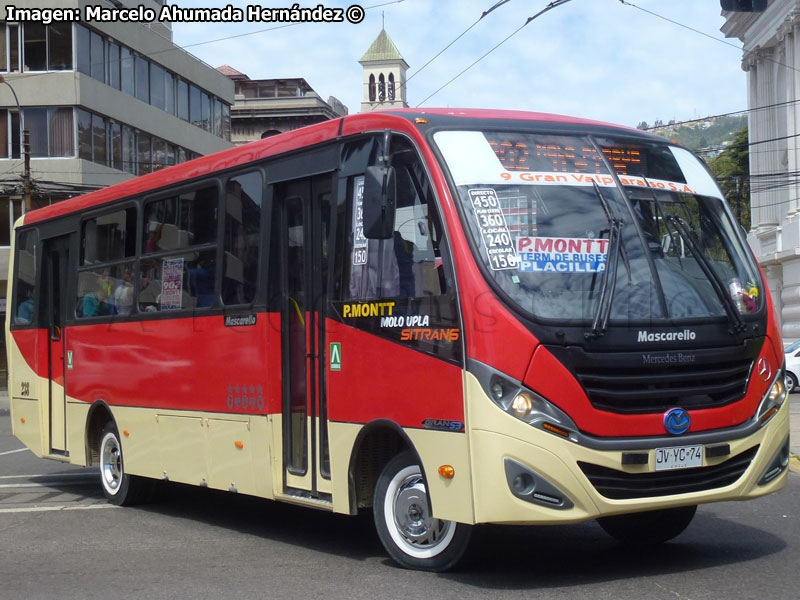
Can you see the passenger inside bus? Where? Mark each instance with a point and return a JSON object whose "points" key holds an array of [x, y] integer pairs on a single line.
{"points": [[95, 303], [25, 311]]}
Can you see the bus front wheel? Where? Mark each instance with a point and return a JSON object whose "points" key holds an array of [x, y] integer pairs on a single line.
{"points": [[405, 525], [648, 528], [119, 487]]}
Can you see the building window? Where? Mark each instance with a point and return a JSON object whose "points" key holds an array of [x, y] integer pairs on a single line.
{"points": [[8, 216], [159, 154], [142, 79], [157, 92], [226, 122], [35, 121], [205, 111], [99, 140], [169, 92], [372, 93], [115, 139], [98, 69], [34, 46], [194, 106], [218, 118], [4, 141], [59, 52], [13, 48], [183, 100], [62, 132], [114, 75], [84, 134], [127, 68], [128, 150], [83, 49], [3, 49], [143, 155], [391, 86], [381, 88]]}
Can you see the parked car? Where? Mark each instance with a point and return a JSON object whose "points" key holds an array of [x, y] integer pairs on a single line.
{"points": [[792, 354]]}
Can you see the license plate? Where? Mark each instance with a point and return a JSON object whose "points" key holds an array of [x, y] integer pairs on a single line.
{"points": [[679, 457]]}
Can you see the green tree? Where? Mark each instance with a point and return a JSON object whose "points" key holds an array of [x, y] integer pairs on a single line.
{"points": [[731, 169]]}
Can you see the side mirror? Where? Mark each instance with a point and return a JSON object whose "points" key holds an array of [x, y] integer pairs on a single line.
{"points": [[380, 193]]}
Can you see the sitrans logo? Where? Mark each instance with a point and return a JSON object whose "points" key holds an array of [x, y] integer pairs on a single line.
{"points": [[687, 335]]}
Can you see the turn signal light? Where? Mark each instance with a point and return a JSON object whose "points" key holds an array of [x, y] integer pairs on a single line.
{"points": [[126, 432], [555, 429], [447, 471], [238, 444], [22, 420], [421, 121], [769, 413]]}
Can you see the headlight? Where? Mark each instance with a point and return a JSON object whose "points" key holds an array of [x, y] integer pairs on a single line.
{"points": [[528, 406], [774, 398], [777, 393]]}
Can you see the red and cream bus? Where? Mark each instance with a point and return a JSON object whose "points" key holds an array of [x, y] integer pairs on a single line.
{"points": [[452, 317]]}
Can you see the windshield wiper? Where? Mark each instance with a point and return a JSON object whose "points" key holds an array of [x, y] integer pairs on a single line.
{"points": [[603, 311], [734, 318]]}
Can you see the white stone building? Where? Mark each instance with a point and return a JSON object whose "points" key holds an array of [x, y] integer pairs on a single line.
{"points": [[772, 61]]}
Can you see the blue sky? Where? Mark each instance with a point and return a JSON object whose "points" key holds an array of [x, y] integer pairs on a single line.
{"points": [[599, 59]]}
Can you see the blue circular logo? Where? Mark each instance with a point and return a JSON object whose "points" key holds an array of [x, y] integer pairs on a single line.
{"points": [[677, 421]]}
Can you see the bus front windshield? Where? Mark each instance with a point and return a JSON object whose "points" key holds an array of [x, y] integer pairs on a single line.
{"points": [[572, 227]]}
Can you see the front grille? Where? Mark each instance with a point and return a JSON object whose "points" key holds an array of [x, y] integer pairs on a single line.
{"points": [[650, 388], [618, 485]]}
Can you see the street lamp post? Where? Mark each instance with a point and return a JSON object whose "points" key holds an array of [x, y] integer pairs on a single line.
{"points": [[26, 152]]}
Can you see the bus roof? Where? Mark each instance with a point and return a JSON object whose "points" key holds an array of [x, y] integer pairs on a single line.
{"points": [[403, 119]]}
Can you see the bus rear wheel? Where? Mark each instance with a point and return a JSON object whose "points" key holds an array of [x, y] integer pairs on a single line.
{"points": [[406, 528], [119, 487], [648, 528]]}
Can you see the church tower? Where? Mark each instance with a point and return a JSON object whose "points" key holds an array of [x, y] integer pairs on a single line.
{"points": [[384, 75]]}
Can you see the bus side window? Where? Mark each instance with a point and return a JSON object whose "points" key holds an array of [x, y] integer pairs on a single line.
{"points": [[409, 264], [25, 279], [243, 196], [105, 282], [178, 268]]}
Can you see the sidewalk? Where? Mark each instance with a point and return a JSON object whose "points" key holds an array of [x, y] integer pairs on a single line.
{"points": [[794, 415]]}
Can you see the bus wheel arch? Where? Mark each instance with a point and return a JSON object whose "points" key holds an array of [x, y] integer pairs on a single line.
{"points": [[376, 444], [104, 447], [99, 415]]}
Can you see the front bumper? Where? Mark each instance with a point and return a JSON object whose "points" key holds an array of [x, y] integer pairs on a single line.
{"points": [[581, 473]]}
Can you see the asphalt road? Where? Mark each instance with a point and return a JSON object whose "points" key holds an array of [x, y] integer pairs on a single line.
{"points": [[59, 539]]}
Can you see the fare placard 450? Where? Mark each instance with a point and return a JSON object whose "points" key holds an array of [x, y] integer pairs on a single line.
{"points": [[494, 230]]}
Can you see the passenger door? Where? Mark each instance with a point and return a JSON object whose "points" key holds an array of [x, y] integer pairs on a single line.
{"points": [[303, 209], [55, 278]]}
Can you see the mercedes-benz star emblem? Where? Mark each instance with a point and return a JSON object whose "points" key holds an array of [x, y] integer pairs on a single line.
{"points": [[764, 369]]}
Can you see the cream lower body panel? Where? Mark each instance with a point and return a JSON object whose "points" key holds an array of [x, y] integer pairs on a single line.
{"points": [[556, 459]]}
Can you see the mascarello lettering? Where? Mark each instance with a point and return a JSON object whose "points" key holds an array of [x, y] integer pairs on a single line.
{"points": [[686, 335]]}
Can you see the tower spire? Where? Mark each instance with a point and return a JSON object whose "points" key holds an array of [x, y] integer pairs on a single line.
{"points": [[384, 75]]}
